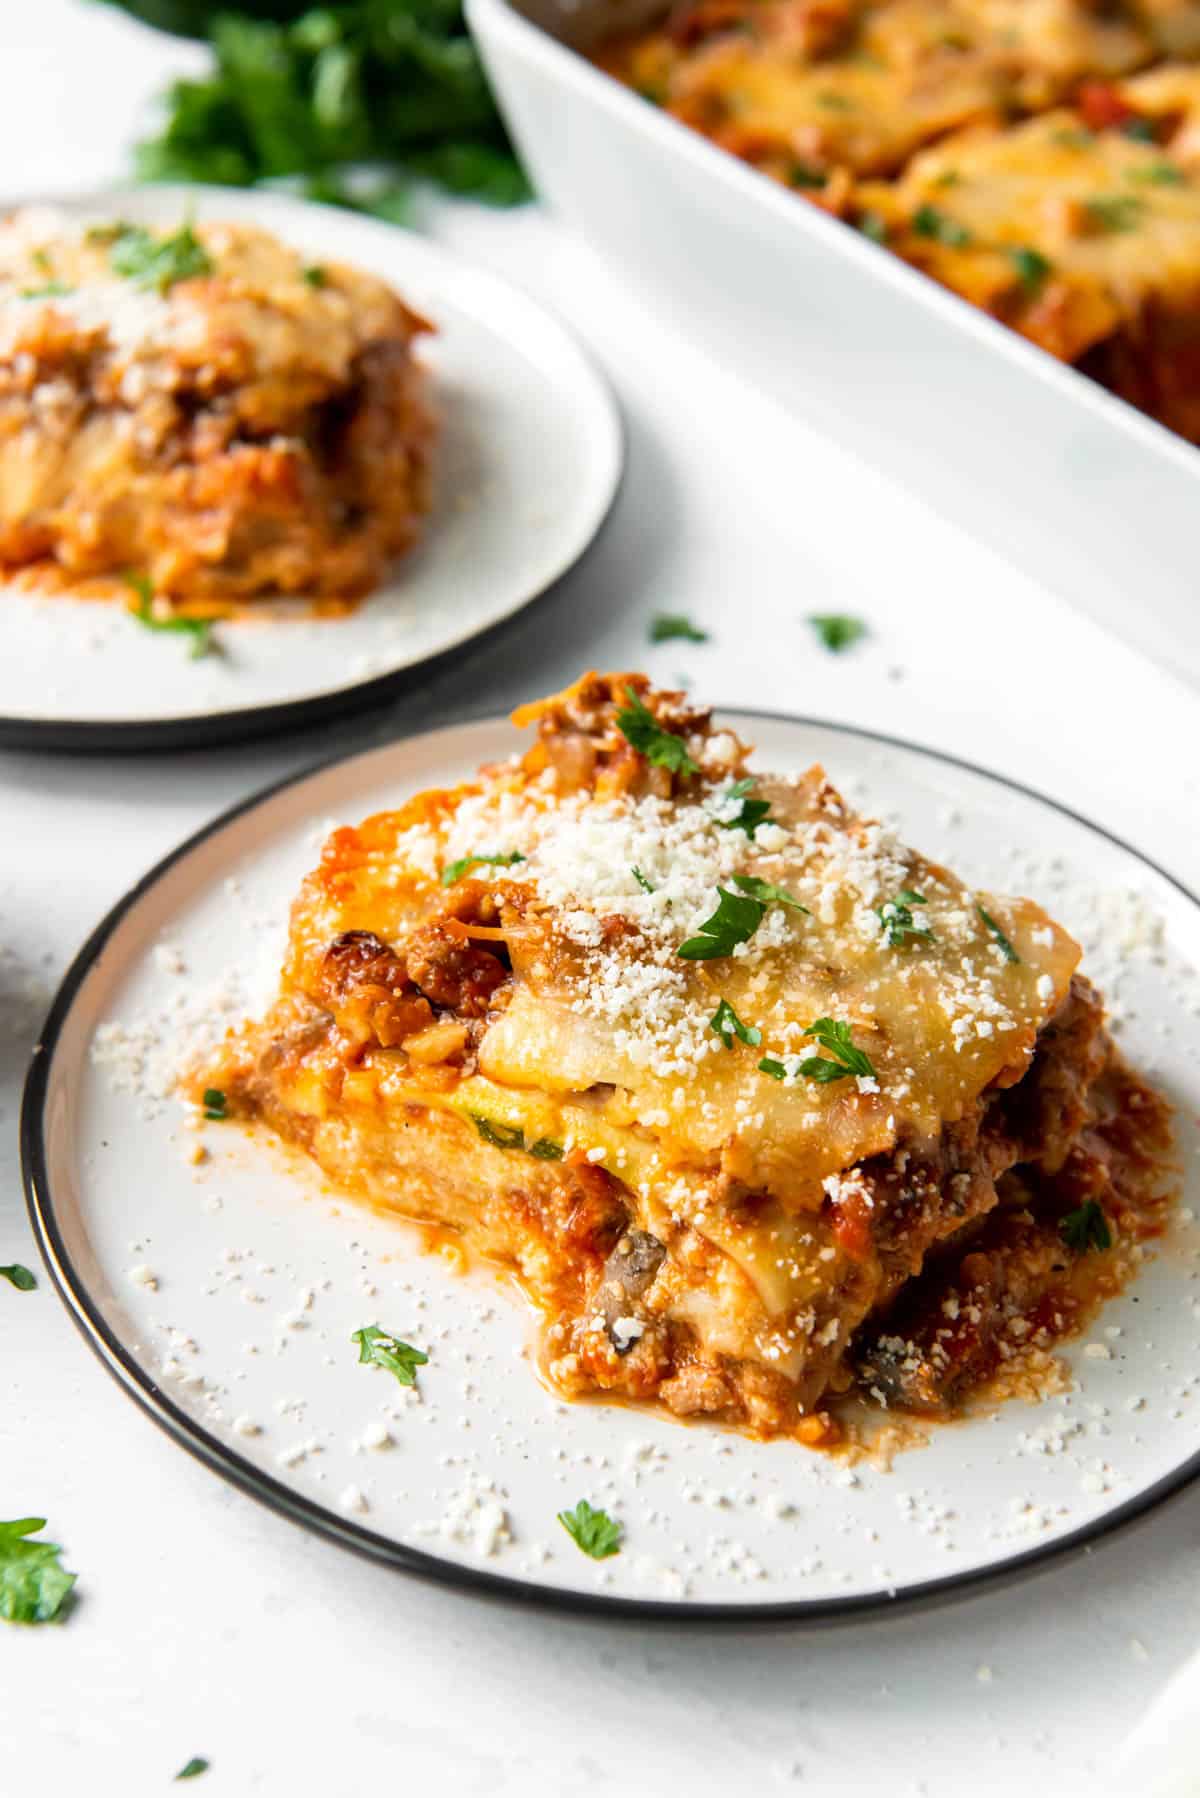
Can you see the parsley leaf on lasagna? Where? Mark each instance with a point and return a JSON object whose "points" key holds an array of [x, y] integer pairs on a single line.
{"points": [[734, 921], [896, 919], [663, 748], [835, 1037], [766, 894], [752, 813], [455, 870], [1002, 943], [726, 1024], [1086, 1228]]}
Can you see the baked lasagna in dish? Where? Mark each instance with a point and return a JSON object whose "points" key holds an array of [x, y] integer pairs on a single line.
{"points": [[764, 1109], [203, 409], [1012, 149]]}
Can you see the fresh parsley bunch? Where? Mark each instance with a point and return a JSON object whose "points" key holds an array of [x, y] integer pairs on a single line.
{"points": [[359, 99]]}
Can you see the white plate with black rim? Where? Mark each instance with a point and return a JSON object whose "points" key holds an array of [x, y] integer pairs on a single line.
{"points": [[223, 1296], [527, 464]]}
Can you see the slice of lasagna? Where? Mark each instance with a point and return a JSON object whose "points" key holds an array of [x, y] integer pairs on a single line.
{"points": [[205, 410], [1080, 229], [761, 1106]]}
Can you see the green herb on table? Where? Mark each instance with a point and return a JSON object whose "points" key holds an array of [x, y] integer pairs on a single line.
{"points": [[455, 870], [929, 221], [665, 626], [897, 922], [158, 262], [214, 1103], [726, 1024], [362, 101], [1086, 1228], [1113, 212], [198, 629], [595, 1532], [18, 1276], [1002, 943], [752, 813], [1032, 268], [34, 1585], [193, 1768], [662, 747], [378, 1348], [837, 630]]}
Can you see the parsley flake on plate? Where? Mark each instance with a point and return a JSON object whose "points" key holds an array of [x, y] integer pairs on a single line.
{"points": [[897, 922], [379, 1348], [665, 626], [726, 1024], [638, 725], [34, 1585], [18, 1276], [198, 629], [595, 1532], [193, 1768], [1002, 943], [158, 262], [837, 630], [1086, 1228], [752, 813], [455, 870]]}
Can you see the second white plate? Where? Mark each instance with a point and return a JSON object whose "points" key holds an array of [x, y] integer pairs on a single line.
{"points": [[224, 1295], [527, 465]]}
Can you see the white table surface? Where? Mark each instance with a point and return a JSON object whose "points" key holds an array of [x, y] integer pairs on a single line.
{"points": [[205, 1624]]}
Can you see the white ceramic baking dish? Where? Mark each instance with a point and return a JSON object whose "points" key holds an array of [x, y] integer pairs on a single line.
{"points": [[1071, 484]]}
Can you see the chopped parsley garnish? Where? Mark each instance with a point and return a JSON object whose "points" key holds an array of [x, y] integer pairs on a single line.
{"points": [[930, 221], [455, 870], [837, 630], [33, 1582], [194, 1768], [501, 1136], [663, 748], [51, 290], [1002, 943], [873, 225], [776, 1069], [641, 880], [158, 262], [1158, 174], [1074, 137], [804, 175], [1032, 267], [594, 1532], [666, 625], [214, 1105], [546, 1149], [315, 276], [753, 811], [737, 917], [378, 1348], [1113, 212], [41, 260], [766, 894], [834, 102], [1087, 1228], [726, 1024], [836, 1038], [948, 178], [18, 1276], [734, 921], [198, 629], [896, 919], [1142, 131]]}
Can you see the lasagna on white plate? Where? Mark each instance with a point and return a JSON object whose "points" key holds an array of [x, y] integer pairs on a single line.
{"points": [[765, 1110]]}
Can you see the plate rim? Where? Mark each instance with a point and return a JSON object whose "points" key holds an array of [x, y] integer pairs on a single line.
{"points": [[321, 1520], [203, 730]]}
